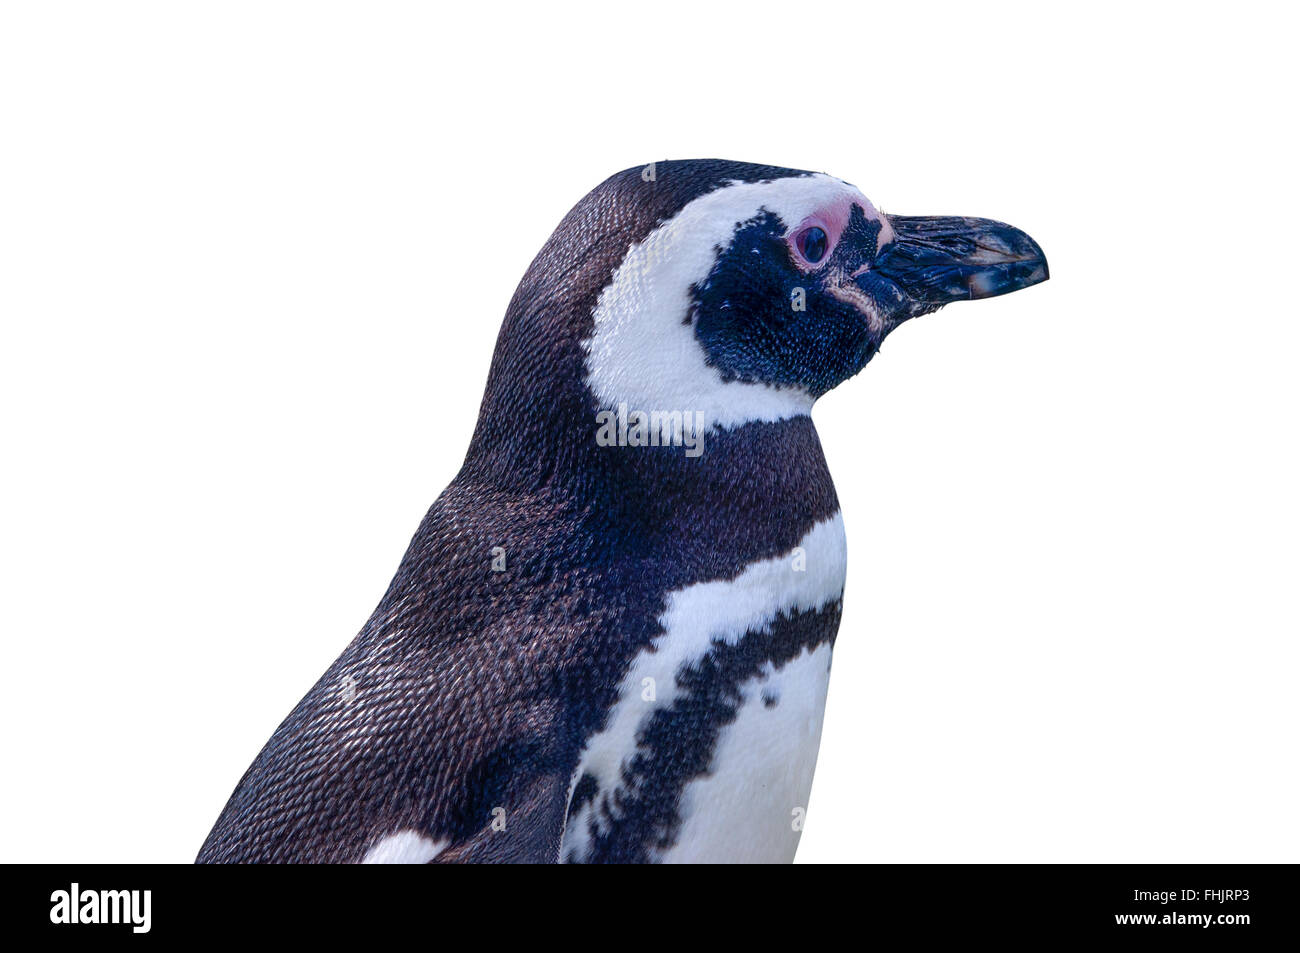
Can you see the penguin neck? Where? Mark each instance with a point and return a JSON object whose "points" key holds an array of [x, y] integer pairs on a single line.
{"points": [[772, 471], [764, 470]]}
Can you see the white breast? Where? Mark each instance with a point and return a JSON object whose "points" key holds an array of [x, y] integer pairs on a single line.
{"points": [[746, 807]]}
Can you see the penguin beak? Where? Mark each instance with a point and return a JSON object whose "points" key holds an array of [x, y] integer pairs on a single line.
{"points": [[935, 260]]}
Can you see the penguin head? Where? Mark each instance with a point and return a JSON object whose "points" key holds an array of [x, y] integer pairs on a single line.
{"points": [[726, 293], [762, 293]]}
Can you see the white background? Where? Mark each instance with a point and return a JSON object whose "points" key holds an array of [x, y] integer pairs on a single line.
{"points": [[253, 259]]}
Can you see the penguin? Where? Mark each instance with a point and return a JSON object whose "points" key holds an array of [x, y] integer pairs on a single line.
{"points": [[610, 638]]}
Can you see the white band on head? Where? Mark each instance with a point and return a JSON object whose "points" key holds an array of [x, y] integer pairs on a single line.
{"points": [[642, 354]]}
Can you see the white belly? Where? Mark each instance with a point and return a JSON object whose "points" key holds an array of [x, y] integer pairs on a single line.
{"points": [[749, 804], [750, 808]]}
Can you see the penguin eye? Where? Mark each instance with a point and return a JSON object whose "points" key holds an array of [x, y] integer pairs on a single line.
{"points": [[812, 244]]}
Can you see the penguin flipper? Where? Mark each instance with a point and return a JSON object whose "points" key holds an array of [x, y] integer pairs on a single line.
{"points": [[451, 781], [529, 831]]}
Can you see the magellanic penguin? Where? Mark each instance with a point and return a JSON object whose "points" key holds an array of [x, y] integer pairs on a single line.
{"points": [[610, 638]]}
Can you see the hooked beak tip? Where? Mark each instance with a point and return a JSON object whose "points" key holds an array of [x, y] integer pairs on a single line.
{"points": [[1011, 276]]}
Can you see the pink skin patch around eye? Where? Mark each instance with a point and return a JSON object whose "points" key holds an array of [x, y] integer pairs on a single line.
{"points": [[832, 219]]}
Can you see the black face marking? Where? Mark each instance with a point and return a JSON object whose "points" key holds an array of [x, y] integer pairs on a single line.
{"points": [[761, 319], [678, 743]]}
